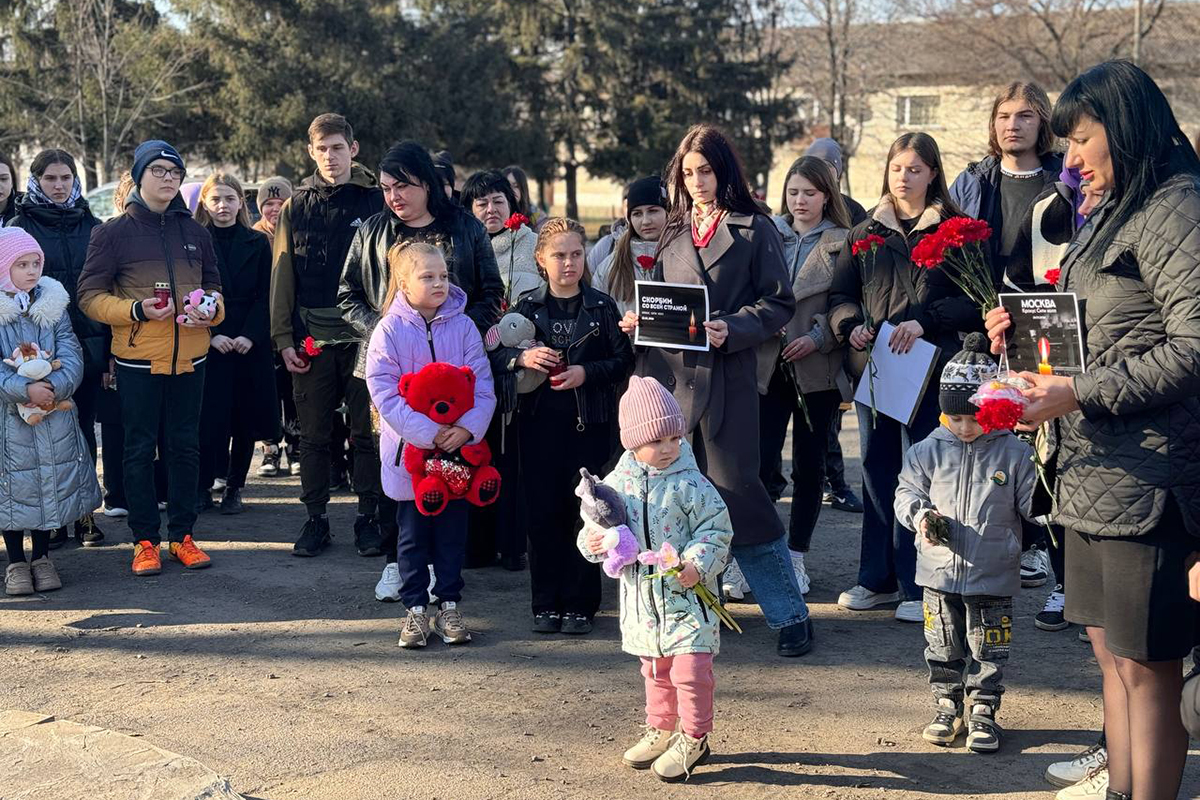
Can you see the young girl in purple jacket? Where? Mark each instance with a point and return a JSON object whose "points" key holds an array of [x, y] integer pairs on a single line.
{"points": [[425, 322]]}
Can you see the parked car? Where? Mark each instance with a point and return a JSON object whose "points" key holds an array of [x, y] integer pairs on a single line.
{"points": [[101, 200]]}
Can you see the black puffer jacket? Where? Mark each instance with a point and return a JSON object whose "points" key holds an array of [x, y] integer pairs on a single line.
{"points": [[895, 290], [469, 256], [1137, 439], [599, 346], [64, 235]]}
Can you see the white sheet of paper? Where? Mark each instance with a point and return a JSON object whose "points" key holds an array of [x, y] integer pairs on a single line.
{"points": [[900, 378]]}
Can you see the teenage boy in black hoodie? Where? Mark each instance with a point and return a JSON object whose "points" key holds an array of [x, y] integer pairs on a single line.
{"points": [[313, 233]]}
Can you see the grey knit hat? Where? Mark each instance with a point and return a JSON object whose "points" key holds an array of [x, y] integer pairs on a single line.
{"points": [[964, 374]]}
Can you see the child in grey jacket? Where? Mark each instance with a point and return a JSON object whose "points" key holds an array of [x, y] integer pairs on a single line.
{"points": [[964, 492]]}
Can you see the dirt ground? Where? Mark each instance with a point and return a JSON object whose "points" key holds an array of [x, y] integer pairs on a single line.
{"points": [[283, 675]]}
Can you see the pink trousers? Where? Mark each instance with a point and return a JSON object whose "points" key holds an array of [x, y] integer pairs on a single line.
{"points": [[680, 688]]}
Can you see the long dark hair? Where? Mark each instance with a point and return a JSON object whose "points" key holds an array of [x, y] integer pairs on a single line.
{"points": [[411, 163], [733, 192], [48, 158], [926, 148], [525, 204], [12, 171], [1145, 142], [820, 174]]}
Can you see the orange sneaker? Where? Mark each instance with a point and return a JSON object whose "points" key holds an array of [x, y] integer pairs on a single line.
{"points": [[189, 555], [146, 560]]}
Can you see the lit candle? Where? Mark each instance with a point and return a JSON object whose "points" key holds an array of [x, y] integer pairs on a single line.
{"points": [[1044, 367], [692, 329]]}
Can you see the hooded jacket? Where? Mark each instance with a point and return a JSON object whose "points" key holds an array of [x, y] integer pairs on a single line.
{"points": [[312, 237], [404, 342], [126, 257], [984, 488], [659, 618], [47, 479]]}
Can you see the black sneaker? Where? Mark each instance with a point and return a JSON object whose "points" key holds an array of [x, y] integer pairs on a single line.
{"points": [[87, 533], [846, 500], [984, 733], [314, 537], [270, 462], [547, 622], [231, 501], [368, 539], [1050, 618], [576, 624], [513, 562], [795, 640], [58, 538], [205, 502]]}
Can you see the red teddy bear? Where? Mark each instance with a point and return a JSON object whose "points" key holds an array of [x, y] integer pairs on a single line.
{"points": [[444, 393]]}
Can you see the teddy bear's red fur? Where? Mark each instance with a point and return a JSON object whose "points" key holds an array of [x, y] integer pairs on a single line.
{"points": [[444, 393]]}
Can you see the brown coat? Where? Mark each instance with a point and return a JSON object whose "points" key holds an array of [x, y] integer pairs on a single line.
{"points": [[125, 258], [822, 370]]}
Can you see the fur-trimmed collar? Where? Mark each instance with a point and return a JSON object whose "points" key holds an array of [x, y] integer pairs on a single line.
{"points": [[47, 308], [885, 214]]}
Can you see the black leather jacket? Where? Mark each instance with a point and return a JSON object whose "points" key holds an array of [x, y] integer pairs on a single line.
{"points": [[599, 346]]}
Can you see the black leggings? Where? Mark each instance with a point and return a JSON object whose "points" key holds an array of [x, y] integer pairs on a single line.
{"points": [[14, 544]]}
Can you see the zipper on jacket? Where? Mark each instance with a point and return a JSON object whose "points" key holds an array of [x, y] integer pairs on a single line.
{"points": [[964, 500], [162, 234], [429, 339], [579, 426], [650, 546]]}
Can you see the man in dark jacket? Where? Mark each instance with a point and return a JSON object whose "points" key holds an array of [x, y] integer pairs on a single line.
{"points": [[312, 236]]}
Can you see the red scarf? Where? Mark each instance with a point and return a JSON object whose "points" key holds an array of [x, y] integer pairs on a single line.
{"points": [[705, 223]]}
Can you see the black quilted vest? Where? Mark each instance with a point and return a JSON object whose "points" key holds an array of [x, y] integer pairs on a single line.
{"points": [[324, 220]]}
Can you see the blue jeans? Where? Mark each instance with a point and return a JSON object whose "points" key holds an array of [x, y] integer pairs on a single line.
{"points": [[440, 540], [768, 570]]}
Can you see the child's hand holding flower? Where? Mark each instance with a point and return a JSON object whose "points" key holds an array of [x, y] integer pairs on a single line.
{"points": [[689, 576]]}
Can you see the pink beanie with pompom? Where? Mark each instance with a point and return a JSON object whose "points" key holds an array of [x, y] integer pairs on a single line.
{"points": [[14, 243]]}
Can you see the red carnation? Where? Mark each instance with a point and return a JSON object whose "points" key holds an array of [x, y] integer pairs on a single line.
{"points": [[1052, 276], [999, 415], [516, 221], [311, 347], [646, 262], [867, 244], [930, 252]]}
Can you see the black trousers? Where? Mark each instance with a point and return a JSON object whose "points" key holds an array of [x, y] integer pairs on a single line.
{"points": [[552, 452], [835, 466], [170, 403], [318, 394], [291, 425], [499, 527], [777, 408]]}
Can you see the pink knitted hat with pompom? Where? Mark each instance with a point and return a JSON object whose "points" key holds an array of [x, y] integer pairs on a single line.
{"points": [[648, 412], [14, 243]]}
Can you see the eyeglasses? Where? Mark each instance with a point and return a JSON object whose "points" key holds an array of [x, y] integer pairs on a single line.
{"points": [[177, 173]]}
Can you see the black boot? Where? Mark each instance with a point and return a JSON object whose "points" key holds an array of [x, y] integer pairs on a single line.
{"points": [[314, 537], [231, 501], [368, 539], [1113, 794], [87, 533], [796, 640]]}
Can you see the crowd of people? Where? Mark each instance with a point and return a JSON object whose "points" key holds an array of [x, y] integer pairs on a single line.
{"points": [[458, 360]]}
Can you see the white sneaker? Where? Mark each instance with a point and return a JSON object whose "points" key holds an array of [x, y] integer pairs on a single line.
{"points": [[860, 598], [1035, 567], [910, 611], [219, 484], [115, 511], [1069, 773], [733, 582], [1093, 787], [801, 572], [162, 505], [388, 588]]}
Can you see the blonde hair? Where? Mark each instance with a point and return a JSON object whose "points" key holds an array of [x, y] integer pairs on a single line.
{"points": [[221, 179], [553, 227], [402, 257], [121, 193]]}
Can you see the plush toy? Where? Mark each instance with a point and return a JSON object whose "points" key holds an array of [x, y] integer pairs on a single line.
{"points": [[514, 330], [602, 505], [203, 302], [444, 393], [32, 362]]}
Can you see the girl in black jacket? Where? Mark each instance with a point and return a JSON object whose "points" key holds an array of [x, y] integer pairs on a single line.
{"points": [[54, 212], [239, 383], [922, 304], [566, 423]]}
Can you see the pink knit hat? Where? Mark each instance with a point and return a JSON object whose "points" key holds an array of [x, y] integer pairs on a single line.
{"points": [[14, 243], [648, 412]]}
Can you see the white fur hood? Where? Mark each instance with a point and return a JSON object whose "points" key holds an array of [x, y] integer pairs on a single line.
{"points": [[46, 309]]}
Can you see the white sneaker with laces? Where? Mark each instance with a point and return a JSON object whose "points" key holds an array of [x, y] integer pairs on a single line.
{"points": [[388, 588], [1035, 567], [1093, 787], [219, 484], [115, 511], [801, 572], [733, 583], [860, 598], [910, 611], [1079, 768]]}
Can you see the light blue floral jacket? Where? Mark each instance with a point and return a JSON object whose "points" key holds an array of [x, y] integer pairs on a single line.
{"points": [[659, 617]]}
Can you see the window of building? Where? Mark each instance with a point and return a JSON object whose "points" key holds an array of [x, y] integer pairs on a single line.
{"points": [[917, 111]]}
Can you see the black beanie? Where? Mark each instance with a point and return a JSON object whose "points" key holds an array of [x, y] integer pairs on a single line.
{"points": [[647, 191], [964, 374]]}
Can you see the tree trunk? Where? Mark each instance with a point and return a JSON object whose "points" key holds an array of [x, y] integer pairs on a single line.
{"points": [[571, 175]]}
